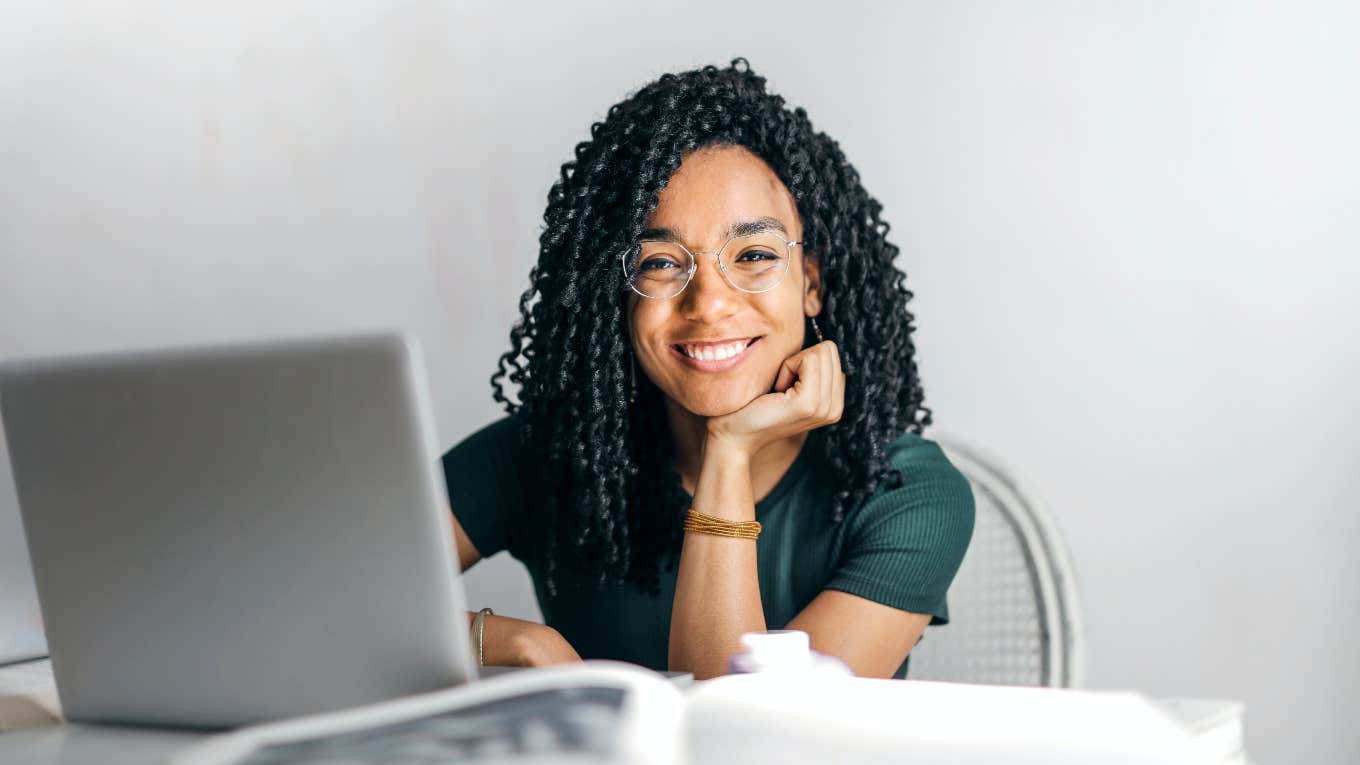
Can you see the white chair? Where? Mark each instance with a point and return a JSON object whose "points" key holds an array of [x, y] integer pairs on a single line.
{"points": [[1014, 616]]}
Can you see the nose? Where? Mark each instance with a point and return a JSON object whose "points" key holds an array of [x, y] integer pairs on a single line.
{"points": [[708, 299]]}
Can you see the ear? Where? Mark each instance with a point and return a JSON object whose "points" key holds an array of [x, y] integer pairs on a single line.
{"points": [[812, 284]]}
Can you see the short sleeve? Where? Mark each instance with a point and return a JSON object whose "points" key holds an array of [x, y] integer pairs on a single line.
{"points": [[904, 545], [485, 486]]}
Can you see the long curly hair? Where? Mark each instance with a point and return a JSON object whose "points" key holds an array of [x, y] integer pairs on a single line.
{"points": [[612, 502]]}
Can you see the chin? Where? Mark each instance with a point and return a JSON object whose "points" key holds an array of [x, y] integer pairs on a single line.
{"points": [[712, 410], [717, 405]]}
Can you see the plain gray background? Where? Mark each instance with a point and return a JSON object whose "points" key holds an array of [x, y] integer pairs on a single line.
{"points": [[1130, 228]]}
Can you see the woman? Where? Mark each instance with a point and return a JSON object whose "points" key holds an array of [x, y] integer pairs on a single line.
{"points": [[715, 337]]}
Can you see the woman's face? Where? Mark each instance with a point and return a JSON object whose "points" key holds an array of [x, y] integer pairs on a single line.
{"points": [[714, 190]]}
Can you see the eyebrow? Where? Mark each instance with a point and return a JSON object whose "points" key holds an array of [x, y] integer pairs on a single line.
{"points": [[740, 228]]}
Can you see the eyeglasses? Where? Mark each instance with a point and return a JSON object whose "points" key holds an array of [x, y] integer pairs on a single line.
{"points": [[662, 269]]}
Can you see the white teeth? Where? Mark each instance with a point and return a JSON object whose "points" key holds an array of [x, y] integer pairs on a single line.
{"points": [[715, 353]]}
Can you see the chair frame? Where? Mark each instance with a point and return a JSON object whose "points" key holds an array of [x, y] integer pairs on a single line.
{"points": [[1046, 555]]}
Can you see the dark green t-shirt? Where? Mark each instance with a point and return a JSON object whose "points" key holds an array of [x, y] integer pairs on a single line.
{"points": [[901, 547]]}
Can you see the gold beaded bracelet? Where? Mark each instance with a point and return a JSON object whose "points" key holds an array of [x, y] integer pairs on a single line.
{"points": [[707, 524]]}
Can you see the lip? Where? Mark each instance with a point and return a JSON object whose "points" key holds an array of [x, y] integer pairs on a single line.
{"points": [[715, 365]]}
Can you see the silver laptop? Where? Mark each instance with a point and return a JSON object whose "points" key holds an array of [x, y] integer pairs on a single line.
{"points": [[234, 534], [21, 632]]}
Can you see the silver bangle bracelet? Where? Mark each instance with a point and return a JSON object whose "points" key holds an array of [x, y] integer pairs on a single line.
{"points": [[478, 624]]}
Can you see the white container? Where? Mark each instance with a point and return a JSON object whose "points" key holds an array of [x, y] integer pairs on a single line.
{"points": [[783, 651]]}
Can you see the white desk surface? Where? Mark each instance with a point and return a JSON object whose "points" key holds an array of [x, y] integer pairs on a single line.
{"points": [[90, 744], [79, 744]]}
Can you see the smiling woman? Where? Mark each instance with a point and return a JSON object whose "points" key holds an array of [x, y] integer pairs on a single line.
{"points": [[718, 427]]}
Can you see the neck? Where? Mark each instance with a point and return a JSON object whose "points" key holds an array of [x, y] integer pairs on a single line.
{"points": [[689, 432]]}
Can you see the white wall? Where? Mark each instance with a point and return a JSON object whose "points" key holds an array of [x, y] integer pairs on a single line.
{"points": [[1130, 228]]}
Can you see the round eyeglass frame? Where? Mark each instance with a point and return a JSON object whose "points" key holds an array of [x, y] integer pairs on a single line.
{"points": [[694, 267]]}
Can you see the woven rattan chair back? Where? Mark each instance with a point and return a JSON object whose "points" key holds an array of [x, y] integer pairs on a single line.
{"points": [[1014, 617]]}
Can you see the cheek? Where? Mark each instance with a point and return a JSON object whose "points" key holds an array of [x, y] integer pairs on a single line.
{"points": [[786, 323], [643, 326], [636, 321]]}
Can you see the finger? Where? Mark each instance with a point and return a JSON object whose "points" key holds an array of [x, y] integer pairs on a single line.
{"points": [[838, 376], [838, 394], [789, 371], [811, 379], [829, 378], [785, 378]]}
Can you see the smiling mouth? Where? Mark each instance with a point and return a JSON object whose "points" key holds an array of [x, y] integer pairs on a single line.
{"points": [[714, 357]]}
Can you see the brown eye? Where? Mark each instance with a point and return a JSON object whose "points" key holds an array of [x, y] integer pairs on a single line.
{"points": [[658, 264], [757, 255]]}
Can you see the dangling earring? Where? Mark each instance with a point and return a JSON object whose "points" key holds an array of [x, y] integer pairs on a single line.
{"points": [[816, 330]]}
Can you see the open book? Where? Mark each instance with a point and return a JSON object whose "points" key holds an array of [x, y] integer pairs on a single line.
{"points": [[602, 711], [597, 711]]}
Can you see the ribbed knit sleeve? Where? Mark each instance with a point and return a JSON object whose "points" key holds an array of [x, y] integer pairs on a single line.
{"points": [[904, 545]]}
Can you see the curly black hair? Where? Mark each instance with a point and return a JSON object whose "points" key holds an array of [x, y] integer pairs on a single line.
{"points": [[612, 501]]}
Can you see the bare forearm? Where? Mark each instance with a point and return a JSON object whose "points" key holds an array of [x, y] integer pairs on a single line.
{"points": [[717, 591], [510, 642]]}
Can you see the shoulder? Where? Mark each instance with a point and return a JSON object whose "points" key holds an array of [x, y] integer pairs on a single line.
{"points": [[933, 498], [911, 450], [488, 476], [499, 439], [492, 466], [925, 467], [502, 429]]}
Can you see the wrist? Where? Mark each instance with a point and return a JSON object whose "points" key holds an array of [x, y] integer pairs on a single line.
{"points": [[727, 449], [724, 465], [478, 634], [723, 488]]}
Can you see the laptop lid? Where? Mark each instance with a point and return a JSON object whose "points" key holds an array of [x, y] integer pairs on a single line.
{"points": [[233, 534]]}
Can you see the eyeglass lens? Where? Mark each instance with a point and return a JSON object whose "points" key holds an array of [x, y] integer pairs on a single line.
{"points": [[750, 263]]}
